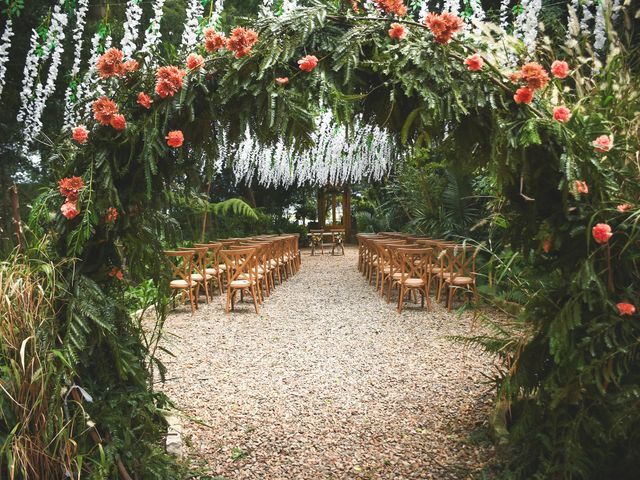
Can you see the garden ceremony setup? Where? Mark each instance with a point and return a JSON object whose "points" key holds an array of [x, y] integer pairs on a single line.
{"points": [[319, 239]]}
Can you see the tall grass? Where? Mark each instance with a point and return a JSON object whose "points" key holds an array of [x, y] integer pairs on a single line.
{"points": [[36, 423]]}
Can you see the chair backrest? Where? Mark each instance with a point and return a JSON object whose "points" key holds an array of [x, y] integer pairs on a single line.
{"points": [[181, 263], [461, 260], [241, 263], [199, 257], [415, 262], [213, 255]]}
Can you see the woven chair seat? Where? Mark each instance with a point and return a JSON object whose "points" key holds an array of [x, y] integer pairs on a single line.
{"points": [[459, 280], [181, 284], [198, 278], [413, 282], [240, 283]]}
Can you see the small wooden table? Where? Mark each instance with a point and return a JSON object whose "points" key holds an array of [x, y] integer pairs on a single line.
{"points": [[317, 240]]}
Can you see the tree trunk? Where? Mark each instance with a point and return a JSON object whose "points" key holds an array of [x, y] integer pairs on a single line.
{"points": [[17, 221]]}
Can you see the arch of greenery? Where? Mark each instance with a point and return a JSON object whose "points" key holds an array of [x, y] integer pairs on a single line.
{"points": [[570, 388]]}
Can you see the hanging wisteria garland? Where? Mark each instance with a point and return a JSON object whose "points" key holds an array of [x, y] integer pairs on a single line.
{"points": [[192, 32], [44, 89], [153, 34], [70, 93], [5, 45], [133, 15], [339, 155], [526, 24]]}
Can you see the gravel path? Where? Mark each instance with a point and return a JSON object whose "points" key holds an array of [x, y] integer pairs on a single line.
{"points": [[329, 382]]}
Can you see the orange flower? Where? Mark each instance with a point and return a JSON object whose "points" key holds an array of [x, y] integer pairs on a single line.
{"points": [[80, 134], [395, 7], [144, 100], [169, 80], [581, 186], [623, 207], [562, 114], [560, 69], [397, 31], [308, 63], [118, 122], [112, 215], [213, 41], [69, 210], [70, 187], [194, 61], [175, 138], [603, 143], [601, 233], [282, 80], [443, 26], [523, 95], [241, 41], [626, 308], [547, 245], [533, 74], [130, 66], [110, 63], [474, 62], [104, 110], [116, 272]]}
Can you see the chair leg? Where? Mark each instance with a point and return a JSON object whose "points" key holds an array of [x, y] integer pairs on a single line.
{"points": [[194, 306], [255, 303], [451, 291], [401, 294]]}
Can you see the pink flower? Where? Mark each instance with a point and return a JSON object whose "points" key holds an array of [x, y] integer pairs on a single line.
{"points": [[443, 26], [118, 122], [562, 114], [282, 80], [103, 110], [109, 64], [397, 31], [112, 215], [308, 63], [626, 308], [560, 69], [603, 143], [195, 61], [213, 41], [581, 186], [116, 272], [175, 138], [69, 210], [70, 187], [80, 134], [130, 66], [474, 62], [601, 233], [241, 41], [547, 245], [169, 80], [144, 100], [623, 207], [523, 95]]}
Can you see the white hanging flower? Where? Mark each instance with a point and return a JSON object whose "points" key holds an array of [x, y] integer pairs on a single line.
{"points": [[5, 45], [289, 6], [190, 35], [452, 6], [33, 121], [600, 28], [91, 87], [30, 72], [266, 10], [153, 33], [504, 14], [587, 16], [526, 24], [424, 10], [131, 28], [81, 12], [215, 14]]}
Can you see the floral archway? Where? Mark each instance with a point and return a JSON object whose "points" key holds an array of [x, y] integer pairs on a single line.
{"points": [[551, 147]]}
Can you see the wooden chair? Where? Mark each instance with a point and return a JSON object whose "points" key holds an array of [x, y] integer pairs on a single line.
{"points": [[199, 273], [213, 264], [415, 273], [461, 271], [242, 274], [338, 241], [316, 241], [181, 264]]}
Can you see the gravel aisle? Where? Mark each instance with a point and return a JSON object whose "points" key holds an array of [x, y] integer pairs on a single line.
{"points": [[329, 382]]}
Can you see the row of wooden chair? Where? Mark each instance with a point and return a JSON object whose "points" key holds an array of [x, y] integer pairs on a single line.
{"points": [[249, 265], [412, 264]]}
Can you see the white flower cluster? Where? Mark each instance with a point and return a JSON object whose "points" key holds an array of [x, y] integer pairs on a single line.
{"points": [[504, 14], [30, 71], [424, 9], [452, 6], [191, 33], [339, 155], [267, 8], [4, 50], [526, 24], [153, 33], [289, 6], [600, 28], [131, 28], [215, 15], [477, 16], [90, 87], [81, 13], [587, 16], [55, 43]]}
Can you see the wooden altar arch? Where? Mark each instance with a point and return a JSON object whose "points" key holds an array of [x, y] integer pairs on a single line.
{"points": [[334, 208]]}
